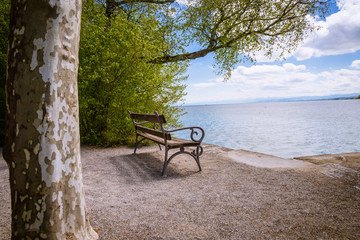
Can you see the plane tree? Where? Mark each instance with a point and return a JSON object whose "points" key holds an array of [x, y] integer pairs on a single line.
{"points": [[42, 142]]}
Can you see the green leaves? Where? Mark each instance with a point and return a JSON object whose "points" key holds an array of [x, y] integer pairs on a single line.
{"points": [[4, 26], [115, 76]]}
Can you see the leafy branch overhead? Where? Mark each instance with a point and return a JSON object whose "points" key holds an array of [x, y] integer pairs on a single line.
{"points": [[111, 5], [232, 29]]}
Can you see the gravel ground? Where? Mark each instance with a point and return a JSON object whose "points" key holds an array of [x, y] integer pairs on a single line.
{"points": [[128, 199]]}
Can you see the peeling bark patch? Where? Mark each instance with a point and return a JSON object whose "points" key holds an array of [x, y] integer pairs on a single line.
{"points": [[27, 158], [19, 31], [43, 235], [36, 149], [39, 44], [60, 195], [65, 63], [26, 215], [50, 169], [40, 208]]}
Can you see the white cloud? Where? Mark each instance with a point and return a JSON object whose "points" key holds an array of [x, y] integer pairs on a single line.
{"points": [[266, 74], [355, 64], [287, 80], [339, 33]]}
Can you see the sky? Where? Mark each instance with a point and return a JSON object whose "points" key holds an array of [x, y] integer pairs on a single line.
{"points": [[326, 63]]}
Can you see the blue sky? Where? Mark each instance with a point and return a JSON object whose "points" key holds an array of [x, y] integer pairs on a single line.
{"points": [[327, 63]]}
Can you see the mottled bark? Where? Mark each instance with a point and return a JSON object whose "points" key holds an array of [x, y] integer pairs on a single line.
{"points": [[42, 147]]}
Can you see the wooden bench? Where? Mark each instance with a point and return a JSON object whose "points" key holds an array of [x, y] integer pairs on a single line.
{"points": [[158, 134]]}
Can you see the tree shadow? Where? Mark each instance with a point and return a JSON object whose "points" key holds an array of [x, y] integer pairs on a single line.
{"points": [[144, 167]]}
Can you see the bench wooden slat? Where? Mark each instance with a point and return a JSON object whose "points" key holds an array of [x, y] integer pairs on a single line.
{"points": [[174, 143], [156, 139], [155, 132], [148, 117]]}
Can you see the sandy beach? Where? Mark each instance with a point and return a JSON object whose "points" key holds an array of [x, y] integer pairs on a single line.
{"points": [[238, 195]]}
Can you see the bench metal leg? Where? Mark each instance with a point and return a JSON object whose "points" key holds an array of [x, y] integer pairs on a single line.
{"points": [[195, 154], [137, 143], [166, 162]]}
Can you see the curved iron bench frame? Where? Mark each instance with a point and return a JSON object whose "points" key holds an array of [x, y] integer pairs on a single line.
{"points": [[162, 136]]}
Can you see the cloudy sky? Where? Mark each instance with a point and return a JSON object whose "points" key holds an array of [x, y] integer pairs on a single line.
{"points": [[327, 63]]}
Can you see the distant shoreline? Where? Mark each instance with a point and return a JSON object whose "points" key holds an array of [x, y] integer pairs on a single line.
{"points": [[352, 96]]}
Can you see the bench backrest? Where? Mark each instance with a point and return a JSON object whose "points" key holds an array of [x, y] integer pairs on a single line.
{"points": [[155, 118], [150, 118]]}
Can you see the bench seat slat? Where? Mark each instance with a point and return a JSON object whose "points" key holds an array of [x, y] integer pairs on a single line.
{"points": [[152, 131], [174, 143]]}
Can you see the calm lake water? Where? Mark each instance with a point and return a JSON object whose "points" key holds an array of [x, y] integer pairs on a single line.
{"points": [[286, 129]]}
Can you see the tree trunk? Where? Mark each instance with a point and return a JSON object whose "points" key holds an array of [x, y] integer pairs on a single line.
{"points": [[42, 147]]}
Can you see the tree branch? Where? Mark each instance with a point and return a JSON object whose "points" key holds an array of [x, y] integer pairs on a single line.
{"points": [[145, 1], [229, 28], [182, 57], [111, 5]]}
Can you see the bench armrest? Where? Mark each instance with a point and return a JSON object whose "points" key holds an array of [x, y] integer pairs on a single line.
{"points": [[194, 131]]}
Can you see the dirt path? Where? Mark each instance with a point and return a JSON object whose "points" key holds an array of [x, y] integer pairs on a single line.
{"points": [[128, 199]]}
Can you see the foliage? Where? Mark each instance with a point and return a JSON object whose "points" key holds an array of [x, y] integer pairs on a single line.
{"points": [[114, 75], [4, 26], [235, 30]]}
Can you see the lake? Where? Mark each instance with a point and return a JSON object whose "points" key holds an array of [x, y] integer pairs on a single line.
{"points": [[284, 129]]}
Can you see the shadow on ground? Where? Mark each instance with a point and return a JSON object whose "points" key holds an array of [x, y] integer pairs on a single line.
{"points": [[145, 167]]}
